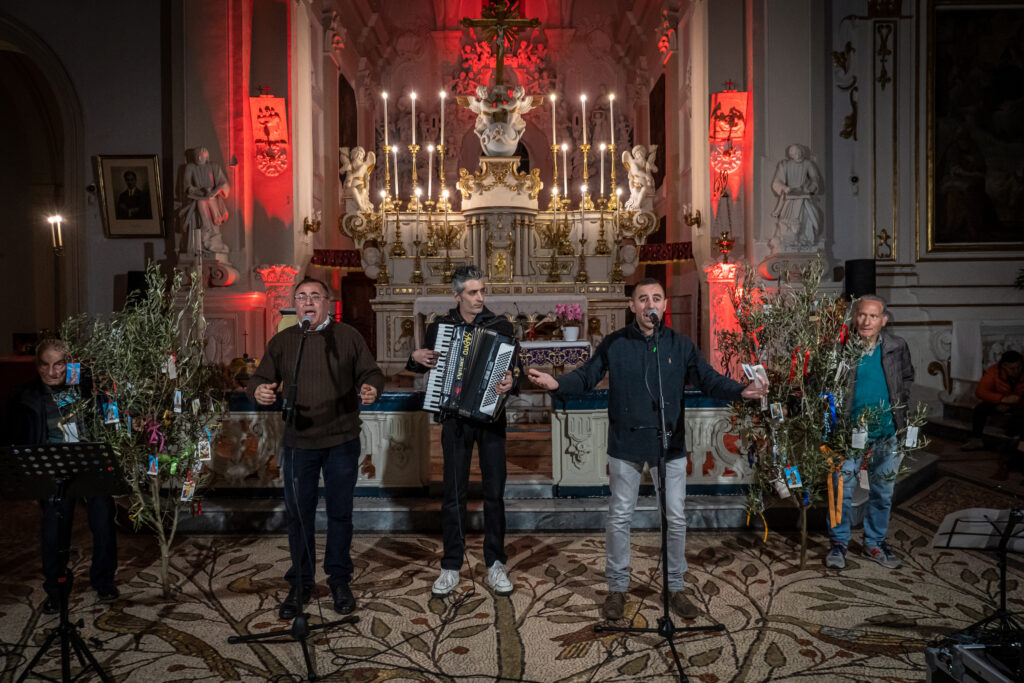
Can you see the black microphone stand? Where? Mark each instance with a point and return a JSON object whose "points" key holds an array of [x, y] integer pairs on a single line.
{"points": [[666, 628], [301, 628]]}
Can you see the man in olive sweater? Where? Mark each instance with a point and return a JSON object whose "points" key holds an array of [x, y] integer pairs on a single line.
{"points": [[631, 356], [336, 374]]}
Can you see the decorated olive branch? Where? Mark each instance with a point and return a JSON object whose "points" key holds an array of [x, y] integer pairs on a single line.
{"points": [[156, 401], [802, 432]]}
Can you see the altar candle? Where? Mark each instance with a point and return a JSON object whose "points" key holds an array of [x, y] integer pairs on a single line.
{"points": [[430, 169], [583, 102], [603, 148], [553, 134], [412, 96], [384, 95], [443, 95], [565, 171], [611, 117], [395, 149]]}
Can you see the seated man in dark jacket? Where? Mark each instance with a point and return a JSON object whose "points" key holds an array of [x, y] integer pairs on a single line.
{"points": [[999, 393], [38, 415], [630, 356]]}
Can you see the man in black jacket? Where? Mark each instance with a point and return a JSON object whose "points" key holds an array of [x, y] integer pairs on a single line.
{"points": [[458, 435], [40, 414], [630, 356]]}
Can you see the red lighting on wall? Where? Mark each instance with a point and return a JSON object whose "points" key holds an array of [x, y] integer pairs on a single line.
{"points": [[727, 139]]}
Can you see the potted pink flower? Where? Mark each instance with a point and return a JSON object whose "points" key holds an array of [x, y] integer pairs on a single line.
{"points": [[569, 318]]}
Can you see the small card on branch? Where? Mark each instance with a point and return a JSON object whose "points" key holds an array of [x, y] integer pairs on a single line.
{"points": [[70, 430], [172, 367], [188, 489], [862, 479], [859, 438], [154, 466], [177, 399], [73, 373], [110, 414], [792, 477], [911, 441], [748, 371], [204, 450], [776, 409]]}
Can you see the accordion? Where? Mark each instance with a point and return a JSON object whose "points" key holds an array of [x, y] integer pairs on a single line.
{"points": [[471, 360]]}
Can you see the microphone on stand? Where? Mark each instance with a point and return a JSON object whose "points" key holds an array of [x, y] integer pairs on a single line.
{"points": [[306, 323], [653, 316]]}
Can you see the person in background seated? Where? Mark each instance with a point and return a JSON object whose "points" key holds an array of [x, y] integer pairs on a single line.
{"points": [[39, 415], [999, 391]]}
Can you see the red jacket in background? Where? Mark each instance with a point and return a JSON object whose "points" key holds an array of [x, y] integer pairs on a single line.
{"points": [[995, 385]]}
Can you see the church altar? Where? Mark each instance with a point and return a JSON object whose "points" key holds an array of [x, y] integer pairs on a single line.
{"points": [[554, 354]]}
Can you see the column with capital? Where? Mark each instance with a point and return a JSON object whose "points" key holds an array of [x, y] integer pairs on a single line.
{"points": [[278, 281]]}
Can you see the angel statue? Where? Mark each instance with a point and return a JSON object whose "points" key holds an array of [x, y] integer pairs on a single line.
{"points": [[357, 164], [497, 137], [640, 163], [520, 104]]}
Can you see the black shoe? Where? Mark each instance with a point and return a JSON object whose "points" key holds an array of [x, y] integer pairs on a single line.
{"points": [[292, 605], [108, 593], [344, 601], [50, 605]]}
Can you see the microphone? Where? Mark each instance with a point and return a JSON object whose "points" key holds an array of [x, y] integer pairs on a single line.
{"points": [[653, 316], [306, 323]]}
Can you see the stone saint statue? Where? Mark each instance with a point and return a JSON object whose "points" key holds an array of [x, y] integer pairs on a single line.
{"points": [[357, 164], [797, 182], [640, 162], [206, 187]]}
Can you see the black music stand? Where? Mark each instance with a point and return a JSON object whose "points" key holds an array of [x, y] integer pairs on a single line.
{"points": [[666, 628], [300, 629], [1001, 531], [56, 472]]}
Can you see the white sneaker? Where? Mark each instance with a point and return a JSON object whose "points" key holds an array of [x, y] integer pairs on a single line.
{"points": [[445, 583], [498, 579]]}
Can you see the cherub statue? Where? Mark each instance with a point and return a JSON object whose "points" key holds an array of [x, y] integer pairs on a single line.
{"points": [[357, 164], [640, 163], [499, 125], [520, 104], [482, 106]]}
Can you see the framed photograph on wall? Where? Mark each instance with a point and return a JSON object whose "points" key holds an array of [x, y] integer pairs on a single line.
{"points": [[975, 119], [130, 199]]}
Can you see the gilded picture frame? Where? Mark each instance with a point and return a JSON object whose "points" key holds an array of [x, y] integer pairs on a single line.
{"points": [[130, 195], [975, 126]]}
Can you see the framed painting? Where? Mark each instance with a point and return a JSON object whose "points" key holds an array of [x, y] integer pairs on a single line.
{"points": [[130, 199], [975, 126]]}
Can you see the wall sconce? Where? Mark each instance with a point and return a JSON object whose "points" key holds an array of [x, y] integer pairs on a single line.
{"points": [[55, 234], [311, 225], [690, 217]]}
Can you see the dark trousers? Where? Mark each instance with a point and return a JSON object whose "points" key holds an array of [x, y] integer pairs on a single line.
{"points": [[983, 411], [457, 439], [56, 534], [301, 470]]}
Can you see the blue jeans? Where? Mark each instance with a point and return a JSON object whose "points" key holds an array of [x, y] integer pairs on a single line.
{"points": [[624, 479], [881, 477], [301, 472]]}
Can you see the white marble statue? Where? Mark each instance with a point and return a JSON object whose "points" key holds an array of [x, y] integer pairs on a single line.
{"points": [[207, 187], [357, 164], [798, 217], [499, 137], [640, 162]]}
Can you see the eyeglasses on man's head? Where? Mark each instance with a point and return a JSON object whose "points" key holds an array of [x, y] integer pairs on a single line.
{"points": [[313, 298]]}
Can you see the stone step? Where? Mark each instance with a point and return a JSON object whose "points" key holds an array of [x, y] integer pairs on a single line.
{"points": [[523, 512], [995, 437]]}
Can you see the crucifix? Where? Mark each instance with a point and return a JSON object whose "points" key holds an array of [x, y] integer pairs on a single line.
{"points": [[500, 21]]}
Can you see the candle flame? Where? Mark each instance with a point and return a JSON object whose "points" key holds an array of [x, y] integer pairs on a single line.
{"points": [[384, 95]]}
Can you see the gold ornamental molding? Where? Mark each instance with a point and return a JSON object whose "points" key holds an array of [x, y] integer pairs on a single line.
{"points": [[503, 172]]}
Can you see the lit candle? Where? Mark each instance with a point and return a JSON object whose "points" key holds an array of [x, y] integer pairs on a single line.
{"points": [[395, 149], [443, 95], [554, 136], [413, 97], [611, 117], [565, 171], [55, 235], [430, 168], [603, 148], [583, 102], [385, 96]]}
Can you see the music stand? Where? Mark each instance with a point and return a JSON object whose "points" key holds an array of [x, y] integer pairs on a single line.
{"points": [[1001, 531], [666, 628], [56, 472]]}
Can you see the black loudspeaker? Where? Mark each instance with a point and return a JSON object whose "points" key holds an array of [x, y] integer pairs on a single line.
{"points": [[860, 277], [134, 283]]}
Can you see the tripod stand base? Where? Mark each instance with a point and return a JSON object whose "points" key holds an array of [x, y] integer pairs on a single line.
{"points": [[69, 639], [667, 630], [299, 631]]}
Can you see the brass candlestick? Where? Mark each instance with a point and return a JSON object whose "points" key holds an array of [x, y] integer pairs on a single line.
{"points": [[430, 249], [417, 266], [383, 277], [587, 204], [398, 250], [564, 243], [387, 174], [553, 275], [554, 178], [442, 203], [581, 272], [414, 202], [601, 248]]}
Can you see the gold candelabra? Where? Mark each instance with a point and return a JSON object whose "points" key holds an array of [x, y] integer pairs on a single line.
{"points": [[430, 249], [554, 178], [398, 249], [613, 198], [383, 277], [387, 174], [414, 202], [601, 248], [447, 235], [581, 272], [442, 203], [417, 266], [587, 204]]}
